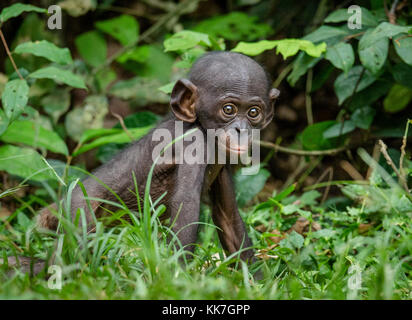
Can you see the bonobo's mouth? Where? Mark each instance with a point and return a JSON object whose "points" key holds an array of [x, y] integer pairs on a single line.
{"points": [[233, 147]]}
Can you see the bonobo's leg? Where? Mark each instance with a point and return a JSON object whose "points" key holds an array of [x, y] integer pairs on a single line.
{"points": [[184, 205], [225, 214]]}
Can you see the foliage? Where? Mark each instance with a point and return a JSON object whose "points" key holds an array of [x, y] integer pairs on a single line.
{"points": [[57, 103]]}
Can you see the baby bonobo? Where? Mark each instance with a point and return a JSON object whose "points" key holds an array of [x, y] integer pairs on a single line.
{"points": [[224, 90]]}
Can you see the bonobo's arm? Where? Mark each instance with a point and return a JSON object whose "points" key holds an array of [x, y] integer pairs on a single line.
{"points": [[185, 203], [225, 214]]}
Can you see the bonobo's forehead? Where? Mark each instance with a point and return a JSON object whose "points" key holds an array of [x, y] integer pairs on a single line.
{"points": [[223, 72]]}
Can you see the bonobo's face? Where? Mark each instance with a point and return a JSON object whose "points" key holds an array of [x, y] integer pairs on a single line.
{"points": [[226, 91]]}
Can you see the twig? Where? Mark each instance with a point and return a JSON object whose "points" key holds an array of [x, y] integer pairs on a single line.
{"points": [[353, 35], [119, 117], [9, 54], [403, 147], [163, 20], [350, 170], [392, 13], [297, 152], [390, 162], [308, 99], [282, 75]]}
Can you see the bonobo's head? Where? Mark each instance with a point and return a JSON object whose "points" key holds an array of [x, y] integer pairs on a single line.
{"points": [[225, 90]]}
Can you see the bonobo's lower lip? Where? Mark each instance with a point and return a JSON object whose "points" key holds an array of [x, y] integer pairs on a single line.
{"points": [[238, 149]]}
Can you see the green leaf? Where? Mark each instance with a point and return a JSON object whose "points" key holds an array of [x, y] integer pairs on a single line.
{"points": [[90, 115], [387, 30], [345, 83], [24, 162], [295, 239], [286, 47], [123, 28], [96, 133], [363, 117], [403, 47], [186, 39], [56, 103], [342, 15], [330, 35], [143, 90], [248, 186], [92, 47], [397, 99], [105, 77], [372, 51], [46, 50], [341, 56], [339, 129], [167, 88], [4, 122], [121, 137], [28, 133], [402, 73], [301, 65], [234, 26], [59, 75], [14, 98], [17, 9], [313, 139], [139, 54]]}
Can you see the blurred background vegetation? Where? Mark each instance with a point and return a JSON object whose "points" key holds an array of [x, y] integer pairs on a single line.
{"points": [[77, 95]]}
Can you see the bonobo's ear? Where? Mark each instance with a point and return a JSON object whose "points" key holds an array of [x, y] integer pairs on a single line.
{"points": [[273, 95], [183, 100]]}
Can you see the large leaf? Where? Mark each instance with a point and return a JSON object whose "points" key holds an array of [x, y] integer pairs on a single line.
{"points": [[363, 117], [59, 75], [24, 162], [301, 64], [89, 116], [339, 129], [313, 139], [56, 103], [341, 56], [186, 39], [248, 186], [143, 90], [47, 50], [123, 28], [345, 83], [403, 47], [342, 15], [373, 51], [17, 9], [14, 97], [286, 47], [27, 132], [234, 26], [402, 73], [92, 47], [398, 98]]}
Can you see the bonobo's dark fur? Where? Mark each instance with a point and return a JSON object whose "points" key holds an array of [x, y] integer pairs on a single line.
{"points": [[215, 80]]}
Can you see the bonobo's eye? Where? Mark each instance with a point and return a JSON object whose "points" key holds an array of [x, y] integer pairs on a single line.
{"points": [[229, 109], [253, 112]]}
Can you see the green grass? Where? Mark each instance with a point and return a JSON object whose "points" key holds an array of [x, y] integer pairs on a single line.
{"points": [[368, 229]]}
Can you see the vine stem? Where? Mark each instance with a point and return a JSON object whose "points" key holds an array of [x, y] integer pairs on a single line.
{"points": [[279, 148], [9, 54]]}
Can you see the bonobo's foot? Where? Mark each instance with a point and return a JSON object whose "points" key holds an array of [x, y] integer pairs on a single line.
{"points": [[24, 264]]}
